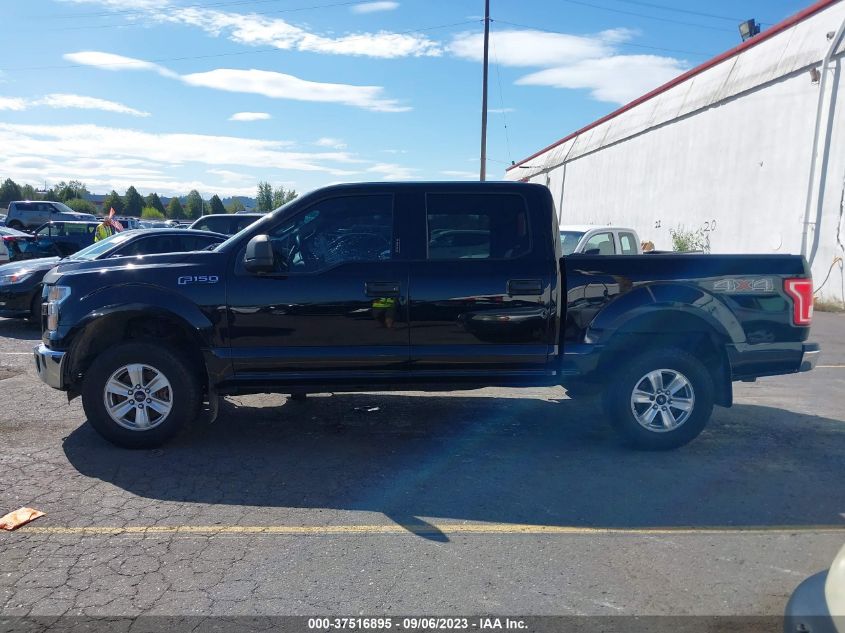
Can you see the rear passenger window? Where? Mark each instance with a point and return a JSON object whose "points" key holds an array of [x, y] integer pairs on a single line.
{"points": [[476, 226], [628, 243]]}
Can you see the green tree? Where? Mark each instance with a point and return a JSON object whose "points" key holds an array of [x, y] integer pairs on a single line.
{"points": [[194, 205], [282, 196], [82, 206], [264, 200], [113, 201], [216, 204], [235, 206], [151, 213], [74, 189], [133, 201], [174, 209], [28, 193], [154, 201], [9, 192]]}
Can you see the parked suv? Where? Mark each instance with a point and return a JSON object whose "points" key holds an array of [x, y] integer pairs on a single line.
{"points": [[30, 215]]}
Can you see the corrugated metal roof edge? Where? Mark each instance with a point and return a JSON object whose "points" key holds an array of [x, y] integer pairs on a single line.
{"points": [[777, 28]]}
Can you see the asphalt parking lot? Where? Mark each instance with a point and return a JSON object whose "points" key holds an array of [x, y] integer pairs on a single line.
{"points": [[495, 501]]}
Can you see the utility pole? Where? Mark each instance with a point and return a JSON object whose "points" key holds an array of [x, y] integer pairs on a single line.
{"points": [[483, 172]]}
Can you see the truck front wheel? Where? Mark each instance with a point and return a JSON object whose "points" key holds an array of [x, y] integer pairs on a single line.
{"points": [[140, 394], [660, 400]]}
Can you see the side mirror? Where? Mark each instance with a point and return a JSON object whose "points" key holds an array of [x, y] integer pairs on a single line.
{"points": [[259, 257]]}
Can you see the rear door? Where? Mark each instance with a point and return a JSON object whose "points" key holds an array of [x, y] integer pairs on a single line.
{"points": [[480, 302]]}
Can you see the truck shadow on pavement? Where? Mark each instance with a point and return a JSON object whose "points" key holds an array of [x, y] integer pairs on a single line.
{"points": [[508, 460]]}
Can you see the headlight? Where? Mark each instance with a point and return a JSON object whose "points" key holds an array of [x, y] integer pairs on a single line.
{"points": [[13, 278], [55, 296]]}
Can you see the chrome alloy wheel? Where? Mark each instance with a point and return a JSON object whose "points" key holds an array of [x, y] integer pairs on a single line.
{"points": [[662, 400], [138, 397]]}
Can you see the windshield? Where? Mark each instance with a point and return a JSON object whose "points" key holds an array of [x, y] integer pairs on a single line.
{"points": [[64, 208], [569, 240], [98, 248]]}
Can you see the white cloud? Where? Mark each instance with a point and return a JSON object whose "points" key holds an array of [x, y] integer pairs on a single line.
{"points": [[282, 86], [230, 177], [63, 100], [372, 7], [13, 103], [257, 30], [250, 116], [110, 61], [537, 48], [392, 171], [459, 174], [334, 143], [267, 83], [108, 157], [586, 62], [617, 79]]}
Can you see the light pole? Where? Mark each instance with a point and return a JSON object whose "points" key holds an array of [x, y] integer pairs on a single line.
{"points": [[483, 172]]}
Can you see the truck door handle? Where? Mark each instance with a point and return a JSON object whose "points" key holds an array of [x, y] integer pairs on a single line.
{"points": [[381, 288], [525, 287]]}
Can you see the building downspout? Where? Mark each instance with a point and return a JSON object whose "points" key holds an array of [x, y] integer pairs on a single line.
{"points": [[811, 188]]}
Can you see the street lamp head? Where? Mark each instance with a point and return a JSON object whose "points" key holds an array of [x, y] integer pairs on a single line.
{"points": [[748, 29]]}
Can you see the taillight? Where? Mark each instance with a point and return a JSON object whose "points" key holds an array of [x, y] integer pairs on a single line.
{"points": [[800, 290]]}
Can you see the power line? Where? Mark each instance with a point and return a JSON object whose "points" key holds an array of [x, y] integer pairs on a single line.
{"points": [[649, 17], [502, 101], [212, 5], [687, 11], [655, 48], [257, 13], [228, 54]]}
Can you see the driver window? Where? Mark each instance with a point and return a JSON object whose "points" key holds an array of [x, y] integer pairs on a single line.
{"points": [[335, 231]]}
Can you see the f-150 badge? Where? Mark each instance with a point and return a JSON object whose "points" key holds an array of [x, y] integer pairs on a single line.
{"points": [[197, 279]]}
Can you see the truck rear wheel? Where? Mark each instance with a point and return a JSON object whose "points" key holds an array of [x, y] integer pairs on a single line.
{"points": [[660, 400], [140, 394]]}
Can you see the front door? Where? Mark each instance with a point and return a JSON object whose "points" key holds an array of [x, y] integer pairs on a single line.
{"points": [[482, 287], [337, 304]]}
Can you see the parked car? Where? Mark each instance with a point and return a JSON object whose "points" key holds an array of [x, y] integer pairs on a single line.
{"points": [[599, 240], [61, 239], [228, 224], [20, 282], [818, 603], [2, 219], [14, 244], [340, 290], [28, 214]]}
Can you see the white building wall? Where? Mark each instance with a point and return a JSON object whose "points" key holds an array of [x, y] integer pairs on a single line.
{"points": [[728, 149]]}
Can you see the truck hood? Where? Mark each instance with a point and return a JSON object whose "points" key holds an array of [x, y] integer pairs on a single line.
{"points": [[42, 263], [134, 268]]}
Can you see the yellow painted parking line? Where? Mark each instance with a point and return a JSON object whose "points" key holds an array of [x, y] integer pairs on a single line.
{"points": [[830, 366], [421, 528]]}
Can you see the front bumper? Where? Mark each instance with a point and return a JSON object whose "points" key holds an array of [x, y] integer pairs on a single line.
{"points": [[50, 366], [15, 303]]}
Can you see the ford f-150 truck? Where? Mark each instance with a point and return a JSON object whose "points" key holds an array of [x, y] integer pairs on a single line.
{"points": [[370, 287]]}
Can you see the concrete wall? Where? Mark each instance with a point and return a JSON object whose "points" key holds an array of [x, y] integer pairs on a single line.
{"points": [[728, 149]]}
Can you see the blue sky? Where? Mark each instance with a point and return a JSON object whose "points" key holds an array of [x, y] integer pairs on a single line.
{"points": [[169, 95]]}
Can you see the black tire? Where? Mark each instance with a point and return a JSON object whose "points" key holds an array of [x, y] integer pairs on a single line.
{"points": [[16, 224], [35, 307], [621, 410], [185, 393]]}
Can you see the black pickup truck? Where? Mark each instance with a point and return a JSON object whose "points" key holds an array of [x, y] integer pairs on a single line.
{"points": [[430, 286]]}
